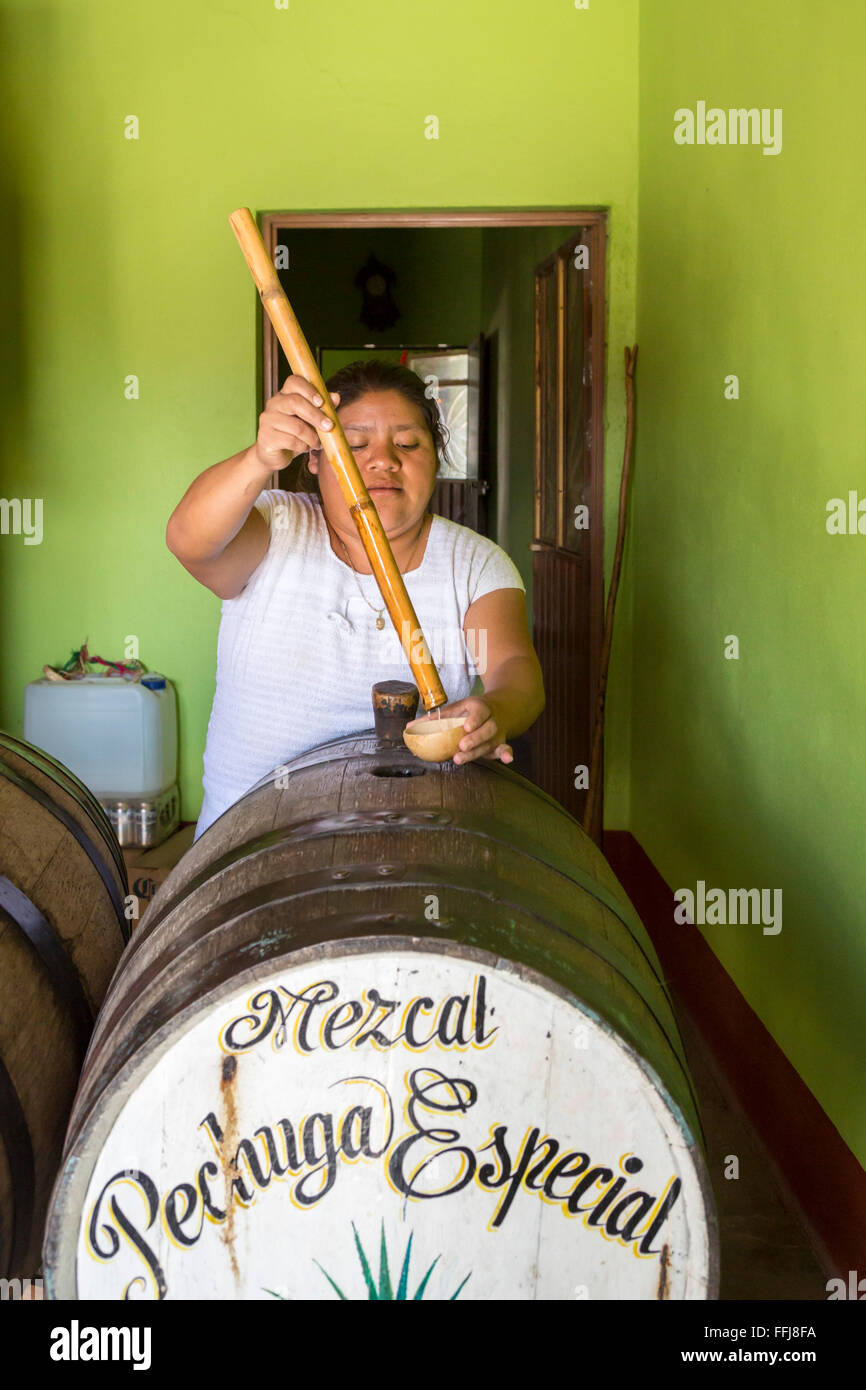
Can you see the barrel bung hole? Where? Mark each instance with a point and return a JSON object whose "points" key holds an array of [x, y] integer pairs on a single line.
{"points": [[397, 771]]}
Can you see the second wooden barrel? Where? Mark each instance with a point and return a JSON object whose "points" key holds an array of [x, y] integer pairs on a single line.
{"points": [[388, 1030], [62, 929]]}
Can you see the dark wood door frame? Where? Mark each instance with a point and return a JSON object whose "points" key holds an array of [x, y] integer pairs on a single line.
{"points": [[593, 222], [568, 579]]}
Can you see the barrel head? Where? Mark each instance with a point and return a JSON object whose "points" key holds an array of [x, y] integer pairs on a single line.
{"points": [[384, 1118]]}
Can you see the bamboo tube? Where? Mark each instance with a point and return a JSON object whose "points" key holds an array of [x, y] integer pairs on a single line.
{"points": [[362, 509]]}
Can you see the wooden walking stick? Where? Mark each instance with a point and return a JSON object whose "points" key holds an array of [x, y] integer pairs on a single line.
{"points": [[361, 506], [595, 758]]}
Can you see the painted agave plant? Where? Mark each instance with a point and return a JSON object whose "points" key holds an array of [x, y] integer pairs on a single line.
{"points": [[382, 1290]]}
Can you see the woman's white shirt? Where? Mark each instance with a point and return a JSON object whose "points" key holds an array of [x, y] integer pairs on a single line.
{"points": [[298, 650]]}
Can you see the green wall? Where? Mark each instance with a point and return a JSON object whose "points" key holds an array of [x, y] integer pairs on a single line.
{"points": [[120, 258], [750, 773]]}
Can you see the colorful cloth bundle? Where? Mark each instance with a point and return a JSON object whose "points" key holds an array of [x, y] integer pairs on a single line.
{"points": [[77, 667]]}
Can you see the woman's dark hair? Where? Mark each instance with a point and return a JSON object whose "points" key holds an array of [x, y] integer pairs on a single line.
{"points": [[355, 379]]}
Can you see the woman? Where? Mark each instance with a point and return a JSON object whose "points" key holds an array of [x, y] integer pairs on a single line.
{"points": [[304, 634]]}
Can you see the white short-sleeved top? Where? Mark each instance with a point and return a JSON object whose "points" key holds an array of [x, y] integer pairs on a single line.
{"points": [[298, 650]]}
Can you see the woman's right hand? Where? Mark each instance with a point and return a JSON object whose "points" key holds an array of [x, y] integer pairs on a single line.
{"points": [[287, 425]]}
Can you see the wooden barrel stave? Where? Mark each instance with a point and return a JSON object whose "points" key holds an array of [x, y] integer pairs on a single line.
{"points": [[69, 797], [62, 885], [312, 800], [342, 860], [300, 857], [35, 1016], [214, 953], [69, 877], [451, 845], [303, 804]]}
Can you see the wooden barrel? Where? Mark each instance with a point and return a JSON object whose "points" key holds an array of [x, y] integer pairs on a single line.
{"points": [[62, 930], [388, 1030]]}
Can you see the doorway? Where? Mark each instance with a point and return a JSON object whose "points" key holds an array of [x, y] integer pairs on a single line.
{"points": [[455, 375], [466, 283], [567, 524]]}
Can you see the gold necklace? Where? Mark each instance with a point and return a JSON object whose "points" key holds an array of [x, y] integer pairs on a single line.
{"points": [[380, 620]]}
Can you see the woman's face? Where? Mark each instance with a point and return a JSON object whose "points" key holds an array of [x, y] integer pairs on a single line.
{"points": [[395, 453]]}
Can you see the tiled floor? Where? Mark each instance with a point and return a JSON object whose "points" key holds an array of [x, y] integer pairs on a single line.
{"points": [[765, 1248]]}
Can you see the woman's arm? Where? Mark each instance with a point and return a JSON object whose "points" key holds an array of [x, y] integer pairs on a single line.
{"points": [[215, 530], [497, 635]]}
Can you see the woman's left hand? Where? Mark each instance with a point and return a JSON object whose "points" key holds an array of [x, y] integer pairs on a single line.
{"points": [[484, 737]]}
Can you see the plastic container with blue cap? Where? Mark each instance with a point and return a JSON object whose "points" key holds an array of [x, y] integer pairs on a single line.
{"points": [[119, 737]]}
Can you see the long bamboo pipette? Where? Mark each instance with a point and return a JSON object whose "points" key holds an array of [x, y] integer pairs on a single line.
{"points": [[361, 506]]}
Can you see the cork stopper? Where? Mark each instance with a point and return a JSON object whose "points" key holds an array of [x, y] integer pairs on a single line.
{"points": [[394, 705]]}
